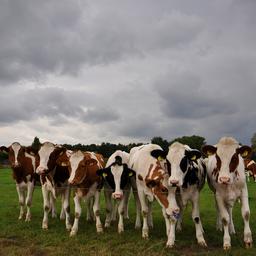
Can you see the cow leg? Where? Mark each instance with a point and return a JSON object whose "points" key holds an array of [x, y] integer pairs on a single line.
{"points": [[21, 195], [127, 192], [78, 211], [96, 210], [150, 217], [108, 208], [170, 230], [197, 220], [66, 207], [138, 209], [62, 213], [144, 209], [30, 190], [47, 206], [89, 213], [121, 209], [114, 213], [231, 223], [246, 217], [53, 205], [218, 220], [225, 221]]}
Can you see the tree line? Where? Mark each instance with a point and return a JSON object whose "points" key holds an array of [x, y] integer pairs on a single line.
{"points": [[107, 149]]}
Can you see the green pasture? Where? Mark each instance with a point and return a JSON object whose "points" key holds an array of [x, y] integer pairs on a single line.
{"points": [[21, 238]]}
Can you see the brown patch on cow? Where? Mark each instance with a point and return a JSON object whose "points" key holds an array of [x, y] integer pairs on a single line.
{"points": [[247, 216], [97, 213], [161, 193], [140, 177], [224, 222], [250, 166], [77, 215]]}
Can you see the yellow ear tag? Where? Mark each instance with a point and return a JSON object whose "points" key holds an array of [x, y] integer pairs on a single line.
{"points": [[245, 154], [193, 157], [130, 174], [104, 174], [160, 158]]}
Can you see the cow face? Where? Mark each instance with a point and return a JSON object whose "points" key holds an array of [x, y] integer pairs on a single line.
{"points": [[180, 157], [117, 176], [228, 157], [78, 166], [157, 181], [47, 156]]}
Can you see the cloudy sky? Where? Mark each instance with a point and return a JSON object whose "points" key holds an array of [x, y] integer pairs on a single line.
{"points": [[93, 71]]}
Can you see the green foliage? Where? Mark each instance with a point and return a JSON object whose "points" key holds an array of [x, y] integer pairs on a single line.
{"points": [[253, 141], [36, 143], [193, 141], [161, 142]]}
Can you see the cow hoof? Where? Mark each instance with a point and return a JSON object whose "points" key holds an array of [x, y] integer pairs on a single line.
{"points": [[99, 229], [28, 219], [107, 225], [72, 233], [202, 243], [145, 234], [68, 228], [120, 230], [45, 227], [169, 245], [248, 245], [226, 247]]}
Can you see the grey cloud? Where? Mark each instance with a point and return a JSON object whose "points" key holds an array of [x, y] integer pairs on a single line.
{"points": [[183, 97]]}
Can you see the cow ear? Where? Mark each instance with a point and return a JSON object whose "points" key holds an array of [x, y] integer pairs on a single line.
{"points": [[244, 151], [159, 154], [103, 172], [193, 155], [4, 149], [209, 150]]}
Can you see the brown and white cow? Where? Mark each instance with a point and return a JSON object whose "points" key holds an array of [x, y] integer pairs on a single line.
{"points": [[152, 182], [226, 177], [82, 168], [117, 186], [54, 180], [250, 169], [23, 167]]}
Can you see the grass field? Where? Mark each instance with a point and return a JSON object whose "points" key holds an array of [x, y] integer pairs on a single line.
{"points": [[21, 238]]}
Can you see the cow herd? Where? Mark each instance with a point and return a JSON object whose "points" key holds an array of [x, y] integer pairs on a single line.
{"points": [[174, 178]]}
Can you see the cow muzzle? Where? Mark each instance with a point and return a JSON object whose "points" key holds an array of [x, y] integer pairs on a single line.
{"points": [[117, 196], [16, 165], [173, 182], [224, 180], [41, 170]]}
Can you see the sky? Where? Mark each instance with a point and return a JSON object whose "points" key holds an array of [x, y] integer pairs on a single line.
{"points": [[121, 71]]}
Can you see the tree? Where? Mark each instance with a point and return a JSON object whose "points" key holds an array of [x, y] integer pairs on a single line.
{"points": [[161, 142], [36, 143], [193, 141], [253, 141]]}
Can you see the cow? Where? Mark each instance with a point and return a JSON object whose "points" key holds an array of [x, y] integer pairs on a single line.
{"points": [[250, 169], [187, 172], [23, 167], [226, 178], [82, 168], [152, 182], [117, 185], [54, 180]]}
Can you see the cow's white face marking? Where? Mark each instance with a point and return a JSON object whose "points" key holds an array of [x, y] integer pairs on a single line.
{"points": [[32, 159], [175, 155], [16, 147], [44, 154], [117, 171], [75, 159], [93, 156]]}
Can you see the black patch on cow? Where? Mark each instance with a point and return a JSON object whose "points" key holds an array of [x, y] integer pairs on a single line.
{"points": [[169, 169], [61, 175], [184, 164], [196, 219], [191, 176]]}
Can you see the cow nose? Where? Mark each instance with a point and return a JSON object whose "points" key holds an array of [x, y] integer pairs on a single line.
{"points": [[117, 195], [40, 170], [174, 183], [224, 180], [16, 164]]}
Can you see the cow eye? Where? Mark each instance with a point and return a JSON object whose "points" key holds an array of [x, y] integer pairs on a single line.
{"points": [[164, 190]]}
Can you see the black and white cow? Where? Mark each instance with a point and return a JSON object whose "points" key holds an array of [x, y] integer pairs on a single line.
{"points": [[117, 186], [187, 172], [226, 178]]}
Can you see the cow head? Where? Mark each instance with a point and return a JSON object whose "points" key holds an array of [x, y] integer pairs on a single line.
{"points": [[79, 163], [16, 152], [117, 176], [157, 181], [179, 159], [228, 156], [47, 157]]}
